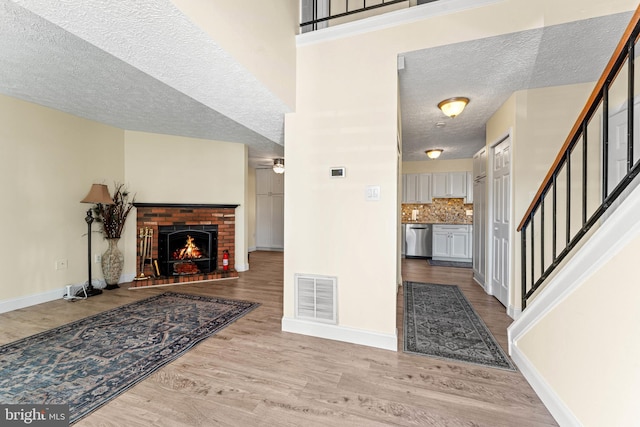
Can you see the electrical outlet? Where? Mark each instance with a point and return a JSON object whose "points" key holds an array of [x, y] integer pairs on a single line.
{"points": [[61, 264], [98, 258]]}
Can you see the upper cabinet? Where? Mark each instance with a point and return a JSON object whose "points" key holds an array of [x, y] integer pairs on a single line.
{"points": [[269, 182], [416, 188], [449, 184], [480, 164]]}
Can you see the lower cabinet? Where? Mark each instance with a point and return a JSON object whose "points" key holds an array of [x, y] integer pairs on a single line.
{"points": [[452, 242]]}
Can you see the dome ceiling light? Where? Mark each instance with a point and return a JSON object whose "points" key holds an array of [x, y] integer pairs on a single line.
{"points": [[453, 106], [278, 165], [435, 153]]}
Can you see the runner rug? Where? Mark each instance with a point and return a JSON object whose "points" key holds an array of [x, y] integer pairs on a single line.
{"points": [[440, 322], [88, 362]]}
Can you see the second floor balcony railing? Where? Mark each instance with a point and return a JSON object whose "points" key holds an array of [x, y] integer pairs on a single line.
{"points": [[318, 14]]}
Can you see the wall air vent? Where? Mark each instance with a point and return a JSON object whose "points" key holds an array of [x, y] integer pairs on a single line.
{"points": [[315, 298]]}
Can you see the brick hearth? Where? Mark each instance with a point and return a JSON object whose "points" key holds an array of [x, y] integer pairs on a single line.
{"points": [[154, 215]]}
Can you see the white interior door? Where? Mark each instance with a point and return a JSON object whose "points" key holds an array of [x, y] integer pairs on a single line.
{"points": [[617, 160], [617, 155], [501, 214]]}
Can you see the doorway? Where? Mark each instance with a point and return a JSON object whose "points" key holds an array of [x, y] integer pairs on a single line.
{"points": [[500, 213]]}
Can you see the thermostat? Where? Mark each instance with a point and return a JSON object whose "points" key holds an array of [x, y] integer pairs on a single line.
{"points": [[338, 172]]}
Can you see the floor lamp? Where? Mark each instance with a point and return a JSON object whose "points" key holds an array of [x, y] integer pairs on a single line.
{"points": [[98, 194]]}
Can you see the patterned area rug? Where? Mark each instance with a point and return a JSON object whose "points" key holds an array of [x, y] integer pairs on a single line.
{"points": [[88, 362], [440, 322], [439, 263]]}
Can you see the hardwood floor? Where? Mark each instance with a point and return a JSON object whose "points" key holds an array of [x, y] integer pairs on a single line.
{"points": [[252, 373]]}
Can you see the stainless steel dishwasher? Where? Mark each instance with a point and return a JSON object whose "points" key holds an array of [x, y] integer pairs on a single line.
{"points": [[418, 239]]}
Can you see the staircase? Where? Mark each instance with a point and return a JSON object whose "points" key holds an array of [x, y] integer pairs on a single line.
{"points": [[576, 341]]}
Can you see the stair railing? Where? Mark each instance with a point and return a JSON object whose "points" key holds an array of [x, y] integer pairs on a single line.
{"points": [[575, 205]]}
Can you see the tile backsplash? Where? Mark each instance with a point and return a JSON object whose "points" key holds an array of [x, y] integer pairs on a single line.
{"points": [[452, 211]]}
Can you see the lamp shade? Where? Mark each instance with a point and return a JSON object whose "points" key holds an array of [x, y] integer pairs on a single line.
{"points": [[99, 193], [435, 153], [453, 106], [278, 165]]}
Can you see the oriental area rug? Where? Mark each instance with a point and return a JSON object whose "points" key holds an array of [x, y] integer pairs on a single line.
{"points": [[90, 361], [440, 322]]}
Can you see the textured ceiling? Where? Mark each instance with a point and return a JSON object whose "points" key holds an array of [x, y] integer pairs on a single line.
{"points": [[142, 65], [488, 71], [135, 65]]}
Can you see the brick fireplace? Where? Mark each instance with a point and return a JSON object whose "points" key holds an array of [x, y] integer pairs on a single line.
{"points": [[215, 221]]}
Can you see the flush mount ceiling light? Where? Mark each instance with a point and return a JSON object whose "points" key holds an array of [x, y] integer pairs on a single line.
{"points": [[278, 165], [435, 153], [453, 106]]}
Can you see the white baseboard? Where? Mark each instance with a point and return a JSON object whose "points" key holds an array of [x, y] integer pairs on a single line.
{"points": [[265, 248], [29, 300], [545, 392], [514, 312], [341, 333], [242, 267], [127, 278]]}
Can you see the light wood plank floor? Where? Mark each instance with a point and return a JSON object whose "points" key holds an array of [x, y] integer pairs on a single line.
{"points": [[251, 373]]}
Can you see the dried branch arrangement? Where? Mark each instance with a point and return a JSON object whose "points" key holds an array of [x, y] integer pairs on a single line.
{"points": [[113, 216]]}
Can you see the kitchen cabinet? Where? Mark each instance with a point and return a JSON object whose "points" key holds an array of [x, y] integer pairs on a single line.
{"points": [[469, 198], [452, 242], [416, 188], [480, 164], [269, 209], [449, 184], [479, 231], [480, 224]]}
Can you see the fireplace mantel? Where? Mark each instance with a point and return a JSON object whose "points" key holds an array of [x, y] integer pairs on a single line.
{"points": [[184, 205]]}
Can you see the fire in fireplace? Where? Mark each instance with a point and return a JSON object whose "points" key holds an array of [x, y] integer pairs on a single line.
{"points": [[187, 249]]}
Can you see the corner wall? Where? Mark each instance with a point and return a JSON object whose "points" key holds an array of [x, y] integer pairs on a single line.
{"points": [[48, 161], [576, 342], [174, 169]]}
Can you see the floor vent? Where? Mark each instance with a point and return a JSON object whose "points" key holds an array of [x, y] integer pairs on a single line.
{"points": [[316, 298]]}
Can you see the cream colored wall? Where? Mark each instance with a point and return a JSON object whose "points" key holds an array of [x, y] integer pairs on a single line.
{"points": [[48, 162], [351, 121], [539, 121], [258, 34], [251, 208], [174, 169], [430, 166], [544, 119], [586, 348]]}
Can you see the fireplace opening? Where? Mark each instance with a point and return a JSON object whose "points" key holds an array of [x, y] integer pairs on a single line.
{"points": [[187, 249]]}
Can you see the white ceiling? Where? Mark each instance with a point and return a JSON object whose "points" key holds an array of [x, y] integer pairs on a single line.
{"points": [[137, 65], [142, 65], [488, 71]]}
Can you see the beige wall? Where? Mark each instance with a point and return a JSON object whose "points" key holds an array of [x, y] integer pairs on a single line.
{"points": [[258, 34], [251, 208], [49, 167], [351, 121], [48, 162], [535, 147], [173, 169], [586, 347]]}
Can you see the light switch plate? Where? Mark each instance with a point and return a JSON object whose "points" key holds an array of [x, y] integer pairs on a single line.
{"points": [[372, 193]]}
